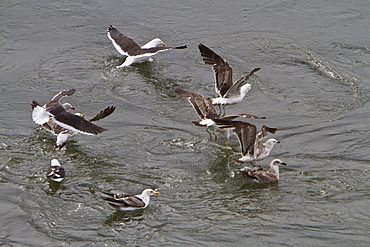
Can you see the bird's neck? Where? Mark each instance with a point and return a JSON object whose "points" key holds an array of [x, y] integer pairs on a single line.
{"points": [[275, 170]]}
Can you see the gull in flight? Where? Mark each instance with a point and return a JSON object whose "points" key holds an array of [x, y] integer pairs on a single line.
{"points": [[207, 113], [228, 91], [54, 117], [252, 147], [128, 47]]}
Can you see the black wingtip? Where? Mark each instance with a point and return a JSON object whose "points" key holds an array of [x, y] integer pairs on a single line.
{"points": [[271, 130], [70, 92], [34, 104], [182, 47], [110, 28], [200, 46], [196, 123]]}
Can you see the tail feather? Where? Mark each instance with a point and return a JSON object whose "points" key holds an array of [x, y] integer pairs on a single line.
{"points": [[40, 115]]}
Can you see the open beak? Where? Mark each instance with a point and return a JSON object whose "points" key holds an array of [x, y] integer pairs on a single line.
{"points": [[157, 194]]}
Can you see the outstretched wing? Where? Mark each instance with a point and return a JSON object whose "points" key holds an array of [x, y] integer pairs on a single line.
{"points": [[62, 94], [244, 115], [103, 114], [123, 44], [246, 134], [263, 132], [72, 122], [235, 88], [128, 47], [154, 50], [202, 105], [222, 70]]}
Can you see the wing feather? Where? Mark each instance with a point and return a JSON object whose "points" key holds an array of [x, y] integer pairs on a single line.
{"points": [[222, 70], [235, 88]]}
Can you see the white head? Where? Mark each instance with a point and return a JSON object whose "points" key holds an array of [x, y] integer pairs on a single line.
{"points": [[274, 166], [55, 162], [270, 143], [157, 42], [67, 106], [150, 192], [153, 43]]}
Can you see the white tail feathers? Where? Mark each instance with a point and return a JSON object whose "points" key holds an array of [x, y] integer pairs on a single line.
{"points": [[40, 115]]}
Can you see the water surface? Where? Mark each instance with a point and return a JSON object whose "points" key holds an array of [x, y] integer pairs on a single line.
{"points": [[313, 86]]}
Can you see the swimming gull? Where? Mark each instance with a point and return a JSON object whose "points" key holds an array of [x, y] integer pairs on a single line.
{"points": [[62, 133], [126, 202], [61, 117], [261, 176], [55, 171], [229, 92], [253, 149], [128, 47], [207, 113]]}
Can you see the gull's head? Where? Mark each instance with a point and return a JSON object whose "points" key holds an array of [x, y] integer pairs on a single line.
{"points": [[274, 166], [277, 162], [55, 162], [270, 143], [157, 42], [151, 192], [67, 106], [79, 114]]}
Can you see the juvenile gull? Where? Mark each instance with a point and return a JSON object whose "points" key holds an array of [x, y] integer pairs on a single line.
{"points": [[250, 140], [128, 47], [62, 133], [229, 92], [55, 171], [207, 113], [54, 113], [269, 176], [126, 202]]}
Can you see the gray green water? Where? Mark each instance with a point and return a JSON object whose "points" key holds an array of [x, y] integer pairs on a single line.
{"points": [[313, 86]]}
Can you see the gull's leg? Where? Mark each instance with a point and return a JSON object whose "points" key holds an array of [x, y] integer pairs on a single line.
{"points": [[209, 133], [224, 110]]}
